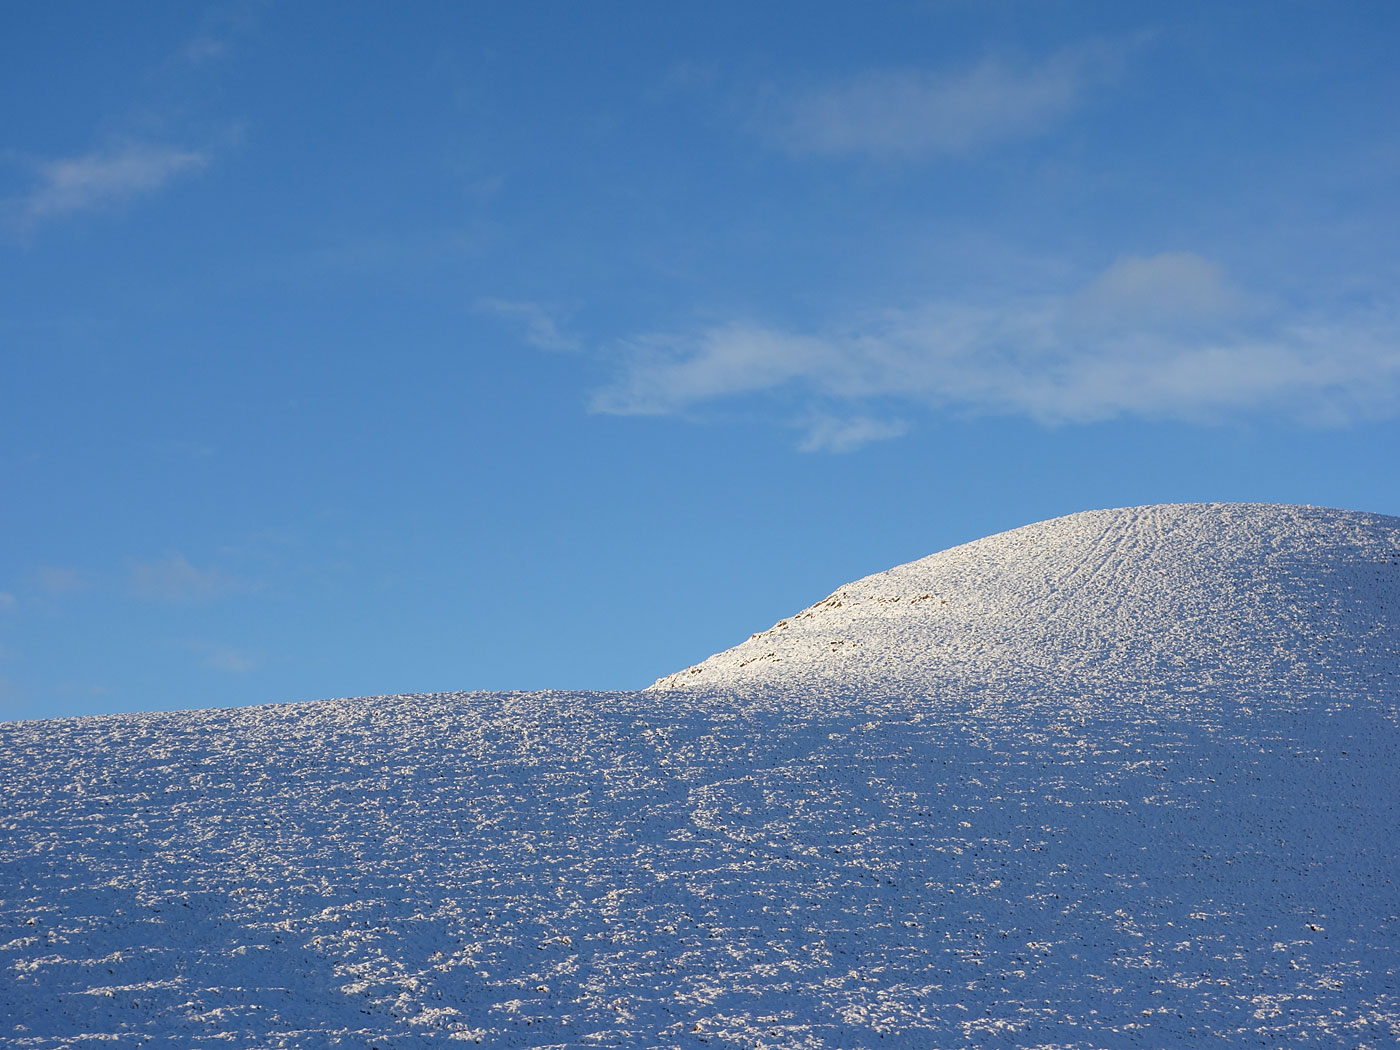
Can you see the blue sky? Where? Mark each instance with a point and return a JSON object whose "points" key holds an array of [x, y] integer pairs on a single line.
{"points": [[354, 349]]}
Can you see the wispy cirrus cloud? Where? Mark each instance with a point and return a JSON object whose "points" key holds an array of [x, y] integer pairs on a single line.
{"points": [[219, 30], [174, 579], [106, 178], [538, 324], [826, 433], [1168, 290], [203, 49], [56, 579], [901, 114], [1157, 337]]}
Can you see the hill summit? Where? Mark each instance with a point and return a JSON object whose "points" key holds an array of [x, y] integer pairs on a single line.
{"points": [[1190, 596]]}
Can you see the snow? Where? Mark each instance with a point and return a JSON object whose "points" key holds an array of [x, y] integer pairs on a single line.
{"points": [[1253, 596], [1122, 779]]}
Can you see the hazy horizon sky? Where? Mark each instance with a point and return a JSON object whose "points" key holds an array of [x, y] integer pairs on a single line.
{"points": [[357, 349]]}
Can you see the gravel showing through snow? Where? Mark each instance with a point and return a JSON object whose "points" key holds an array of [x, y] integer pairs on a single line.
{"points": [[1176, 840]]}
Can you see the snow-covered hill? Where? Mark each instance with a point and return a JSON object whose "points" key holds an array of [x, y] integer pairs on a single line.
{"points": [[1197, 596], [1134, 784]]}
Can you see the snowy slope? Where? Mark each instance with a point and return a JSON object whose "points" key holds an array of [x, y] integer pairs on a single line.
{"points": [[1265, 598], [1161, 811]]}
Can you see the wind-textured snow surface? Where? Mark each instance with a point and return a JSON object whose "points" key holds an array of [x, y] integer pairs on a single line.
{"points": [[1196, 595], [1160, 809]]}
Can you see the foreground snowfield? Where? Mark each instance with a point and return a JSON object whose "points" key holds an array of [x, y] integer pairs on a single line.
{"points": [[1134, 784]]}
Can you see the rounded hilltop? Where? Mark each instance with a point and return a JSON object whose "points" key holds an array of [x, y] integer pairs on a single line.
{"points": [[1189, 596]]}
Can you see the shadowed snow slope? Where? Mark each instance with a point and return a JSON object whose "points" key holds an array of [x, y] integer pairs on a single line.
{"points": [[1179, 596], [1123, 779]]}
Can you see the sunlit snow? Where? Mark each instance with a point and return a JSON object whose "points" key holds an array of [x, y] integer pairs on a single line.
{"points": [[1125, 778]]}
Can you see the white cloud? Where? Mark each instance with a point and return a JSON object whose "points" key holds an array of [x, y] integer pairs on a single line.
{"points": [[1160, 337], [107, 177], [667, 373], [829, 434], [219, 30], [8, 602], [1173, 289], [174, 579], [203, 49], [538, 326], [60, 580], [900, 114]]}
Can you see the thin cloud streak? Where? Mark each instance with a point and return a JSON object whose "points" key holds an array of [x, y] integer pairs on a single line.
{"points": [[831, 434], [107, 178], [59, 580], [538, 325], [910, 113], [175, 579], [1158, 337], [203, 49]]}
